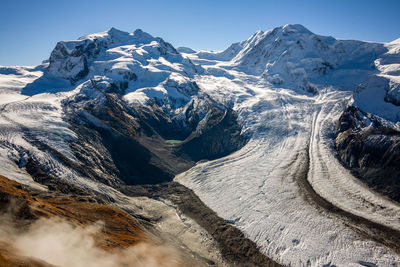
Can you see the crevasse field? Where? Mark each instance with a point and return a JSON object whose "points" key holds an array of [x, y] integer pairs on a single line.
{"points": [[258, 190]]}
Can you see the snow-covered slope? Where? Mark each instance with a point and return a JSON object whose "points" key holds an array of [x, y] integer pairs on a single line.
{"points": [[379, 94], [137, 59], [293, 57], [294, 54]]}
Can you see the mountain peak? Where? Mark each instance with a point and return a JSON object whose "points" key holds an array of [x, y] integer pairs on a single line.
{"points": [[295, 28], [116, 36], [115, 31], [139, 34], [138, 31]]}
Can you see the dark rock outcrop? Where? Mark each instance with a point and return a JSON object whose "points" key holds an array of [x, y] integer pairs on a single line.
{"points": [[371, 150], [120, 146], [70, 65], [219, 136]]}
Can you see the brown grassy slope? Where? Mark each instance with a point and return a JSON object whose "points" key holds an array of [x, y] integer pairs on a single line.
{"points": [[120, 229]]}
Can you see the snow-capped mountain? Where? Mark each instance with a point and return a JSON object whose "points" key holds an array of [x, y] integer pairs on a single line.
{"points": [[274, 134], [297, 54], [137, 59], [293, 57]]}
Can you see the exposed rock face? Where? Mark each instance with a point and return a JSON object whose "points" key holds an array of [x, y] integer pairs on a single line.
{"points": [[218, 136], [68, 64], [371, 149], [139, 116], [126, 143]]}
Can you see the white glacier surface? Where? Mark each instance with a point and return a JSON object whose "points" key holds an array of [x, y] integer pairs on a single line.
{"points": [[257, 188]]}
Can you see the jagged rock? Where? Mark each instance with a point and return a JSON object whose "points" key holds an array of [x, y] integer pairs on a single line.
{"points": [[71, 65], [371, 149]]}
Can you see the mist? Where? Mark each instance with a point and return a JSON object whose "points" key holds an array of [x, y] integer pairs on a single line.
{"points": [[58, 242]]}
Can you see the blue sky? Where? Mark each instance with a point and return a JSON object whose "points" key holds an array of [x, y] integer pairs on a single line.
{"points": [[29, 30]]}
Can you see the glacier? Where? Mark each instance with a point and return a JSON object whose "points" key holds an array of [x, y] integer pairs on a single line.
{"points": [[259, 188]]}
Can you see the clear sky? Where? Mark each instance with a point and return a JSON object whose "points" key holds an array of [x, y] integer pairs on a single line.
{"points": [[29, 29]]}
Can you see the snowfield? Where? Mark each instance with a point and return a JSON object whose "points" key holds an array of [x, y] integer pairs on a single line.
{"points": [[285, 189]]}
